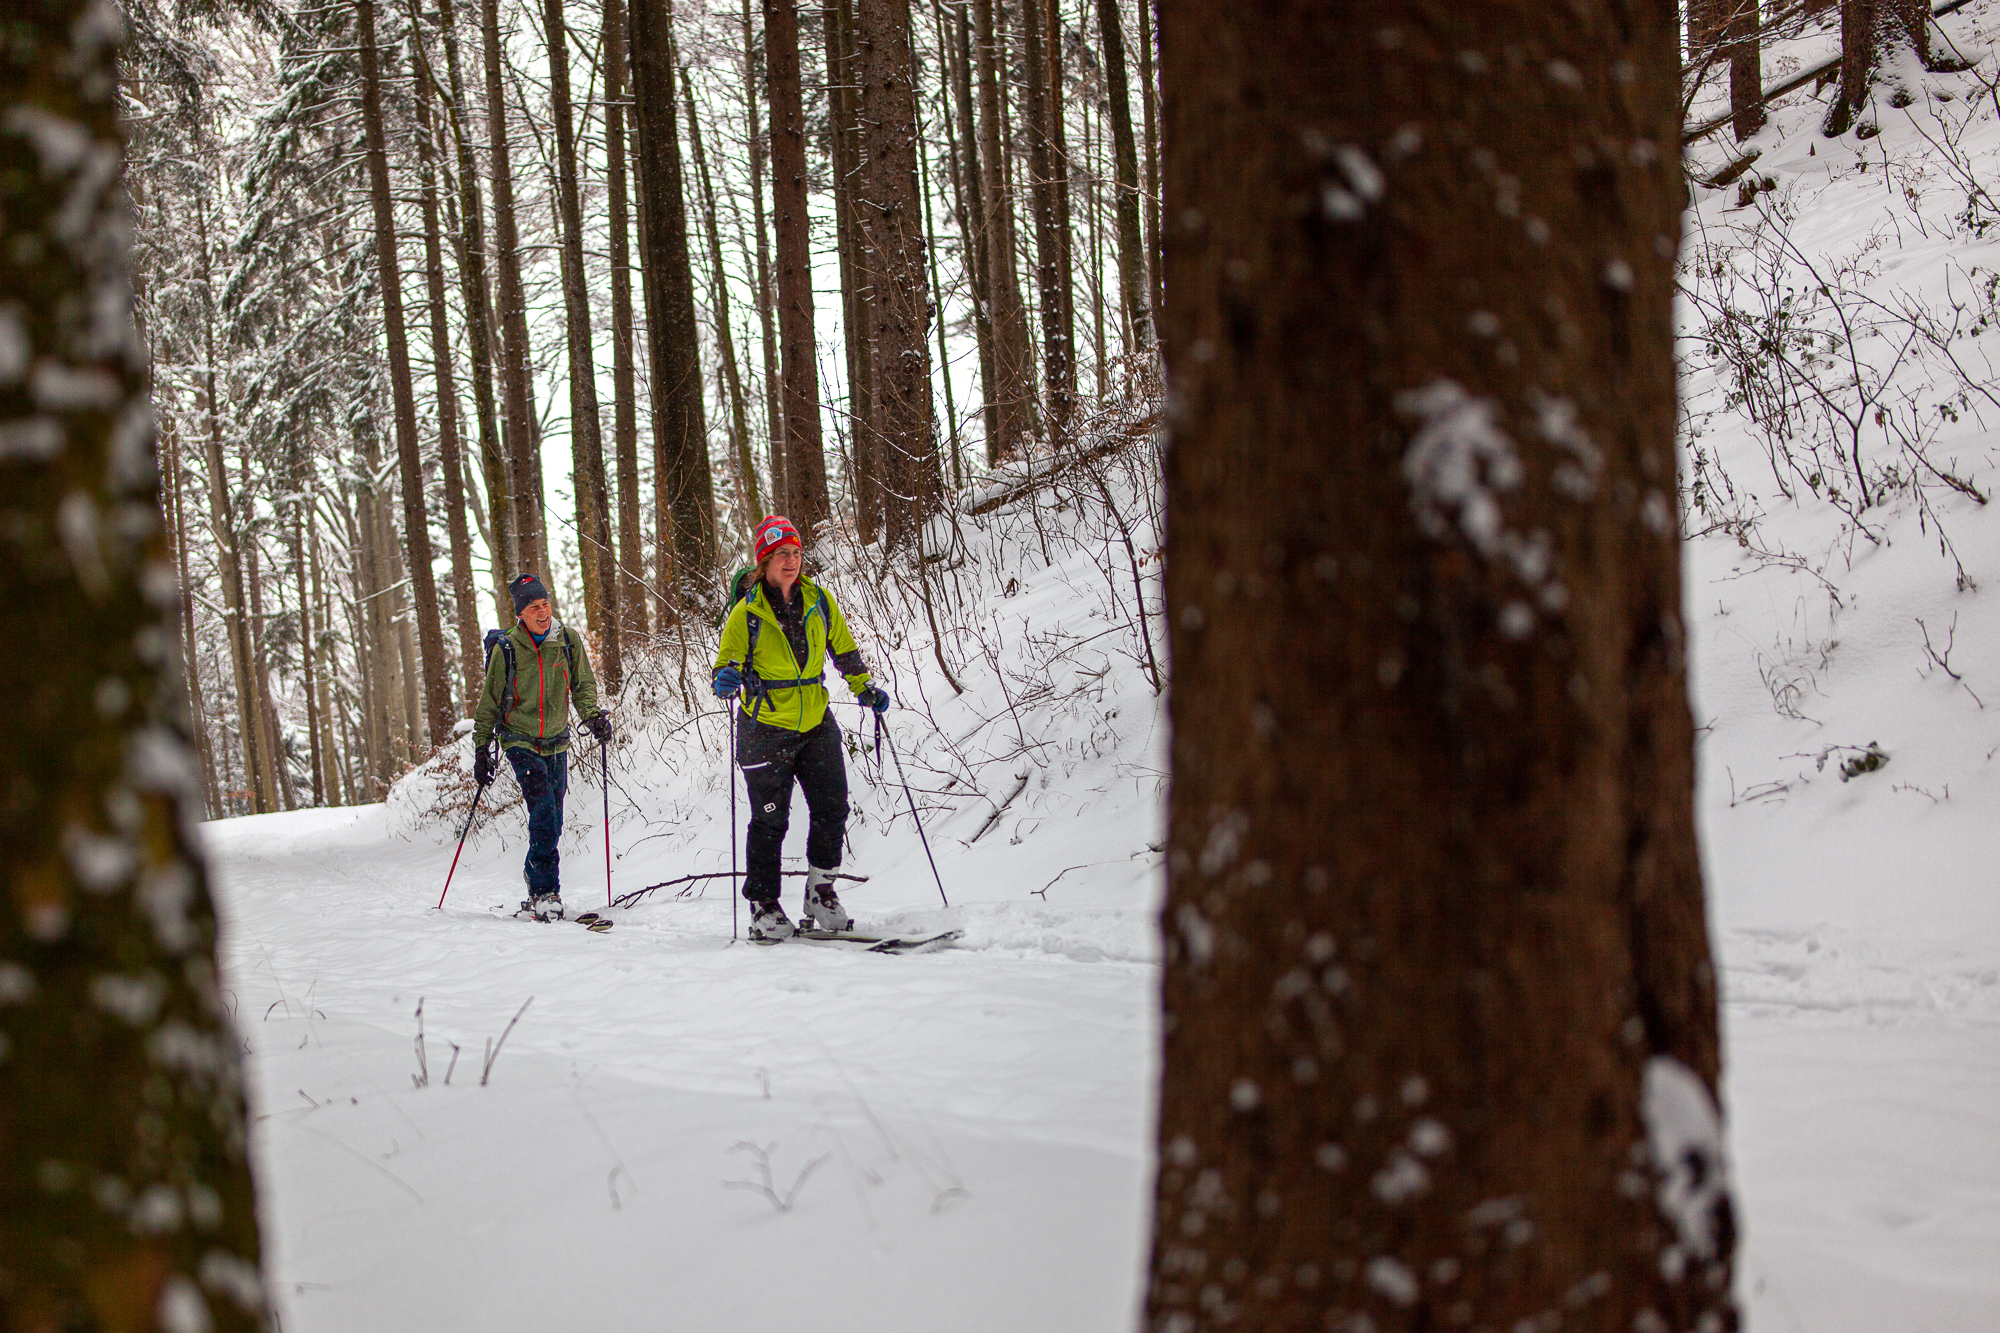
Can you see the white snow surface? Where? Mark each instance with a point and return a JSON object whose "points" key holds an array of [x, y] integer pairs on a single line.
{"points": [[963, 1139]]}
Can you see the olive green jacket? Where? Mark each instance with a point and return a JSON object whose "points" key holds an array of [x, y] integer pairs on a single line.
{"points": [[799, 707], [537, 716]]}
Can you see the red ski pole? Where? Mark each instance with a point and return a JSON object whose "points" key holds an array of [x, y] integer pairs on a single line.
{"points": [[470, 816]]}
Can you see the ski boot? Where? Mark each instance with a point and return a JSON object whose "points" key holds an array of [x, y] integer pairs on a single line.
{"points": [[543, 906], [822, 907], [768, 922]]}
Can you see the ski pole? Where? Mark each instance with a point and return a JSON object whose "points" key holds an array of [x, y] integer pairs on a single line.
{"points": [[880, 733], [734, 894], [469, 817], [604, 750]]}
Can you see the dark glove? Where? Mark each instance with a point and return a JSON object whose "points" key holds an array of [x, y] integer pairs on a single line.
{"points": [[874, 697], [482, 766], [728, 680], [598, 725]]}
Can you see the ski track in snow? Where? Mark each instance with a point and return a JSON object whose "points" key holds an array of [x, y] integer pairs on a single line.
{"points": [[964, 1139]]}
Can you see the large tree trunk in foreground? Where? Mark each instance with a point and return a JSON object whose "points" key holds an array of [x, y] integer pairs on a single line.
{"points": [[1440, 1015], [125, 1192], [804, 454]]}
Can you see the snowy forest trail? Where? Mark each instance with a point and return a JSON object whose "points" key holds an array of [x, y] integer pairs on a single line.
{"points": [[967, 1130]]}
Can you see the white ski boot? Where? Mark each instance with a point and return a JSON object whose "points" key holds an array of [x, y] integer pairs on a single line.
{"points": [[768, 922], [822, 909], [544, 906]]}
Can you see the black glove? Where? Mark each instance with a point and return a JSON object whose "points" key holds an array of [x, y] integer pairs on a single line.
{"points": [[874, 697], [598, 725], [482, 766]]}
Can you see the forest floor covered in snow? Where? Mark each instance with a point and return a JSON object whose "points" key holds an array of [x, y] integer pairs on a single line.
{"points": [[684, 1132]]}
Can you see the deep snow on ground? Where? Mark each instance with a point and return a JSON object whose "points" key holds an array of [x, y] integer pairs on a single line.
{"points": [[681, 1132]]}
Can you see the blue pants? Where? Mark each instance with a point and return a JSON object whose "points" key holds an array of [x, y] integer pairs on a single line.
{"points": [[544, 780]]}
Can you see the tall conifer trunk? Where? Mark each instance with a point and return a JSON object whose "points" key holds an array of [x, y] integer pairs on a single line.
{"points": [[686, 491], [751, 496], [1134, 295], [1051, 246], [1440, 1035], [766, 298], [451, 459], [633, 599], [856, 282], [469, 245], [805, 454], [1013, 361], [587, 478], [517, 423]]}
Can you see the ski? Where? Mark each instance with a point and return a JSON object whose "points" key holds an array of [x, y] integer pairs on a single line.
{"points": [[871, 943]]}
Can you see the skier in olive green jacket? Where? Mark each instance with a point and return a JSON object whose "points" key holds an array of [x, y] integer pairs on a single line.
{"points": [[775, 643], [533, 674]]}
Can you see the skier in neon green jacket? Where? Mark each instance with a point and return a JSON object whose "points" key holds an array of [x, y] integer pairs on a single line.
{"points": [[775, 644]]}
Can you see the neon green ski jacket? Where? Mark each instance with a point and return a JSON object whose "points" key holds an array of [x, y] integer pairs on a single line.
{"points": [[797, 707]]}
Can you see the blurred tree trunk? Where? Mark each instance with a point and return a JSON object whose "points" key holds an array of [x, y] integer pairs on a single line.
{"points": [[804, 450], [632, 595], [1440, 1034], [680, 431], [1013, 361], [469, 246], [1726, 32], [121, 1103], [517, 424], [890, 209], [595, 552]]}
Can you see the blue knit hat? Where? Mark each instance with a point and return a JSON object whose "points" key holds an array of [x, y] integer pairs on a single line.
{"points": [[527, 589]]}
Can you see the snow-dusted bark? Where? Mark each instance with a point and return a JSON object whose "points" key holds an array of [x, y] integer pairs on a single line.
{"points": [[1440, 1013], [125, 1192]]}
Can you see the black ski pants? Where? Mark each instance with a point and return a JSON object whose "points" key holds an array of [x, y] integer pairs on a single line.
{"points": [[772, 758]]}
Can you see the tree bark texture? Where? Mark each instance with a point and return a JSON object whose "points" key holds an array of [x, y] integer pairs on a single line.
{"points": [[633, 599], [680, 429], [595, 552], [517, 422], [890, 209], [121, 1103], [969, 197], [805, 453], [1013, 361], [1440, 1035]]}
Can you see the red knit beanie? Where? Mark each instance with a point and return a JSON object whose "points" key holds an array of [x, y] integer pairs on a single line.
{"points": [[776, 530]]}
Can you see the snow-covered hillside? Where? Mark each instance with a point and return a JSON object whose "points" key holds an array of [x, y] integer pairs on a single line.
{"points": [[684, 1133]]}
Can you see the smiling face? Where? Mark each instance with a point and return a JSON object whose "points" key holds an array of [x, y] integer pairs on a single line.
{"points": [[538, 615], [782, 566]]}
